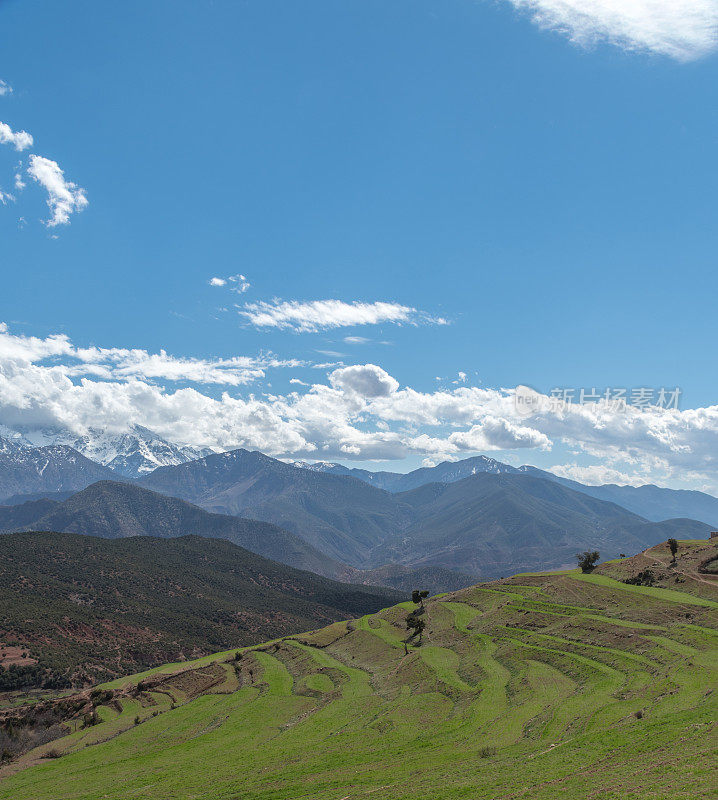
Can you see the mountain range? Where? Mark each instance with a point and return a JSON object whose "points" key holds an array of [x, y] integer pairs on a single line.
{"points": [[476, 517], [130, 454], [652, 502], [139, 451], [485, 525]]}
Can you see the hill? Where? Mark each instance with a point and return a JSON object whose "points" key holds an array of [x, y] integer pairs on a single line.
{"points": [[539, 686], [45, 470], [116, 510], [84, 608], [343, 517], [496, 524]]}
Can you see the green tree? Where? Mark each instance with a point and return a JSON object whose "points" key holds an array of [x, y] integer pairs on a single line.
{"points": [[588, 560], [418, 596], [673, 544]]}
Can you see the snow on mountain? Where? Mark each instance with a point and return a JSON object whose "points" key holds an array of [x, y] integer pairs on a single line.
{"points": [[131, 454]]}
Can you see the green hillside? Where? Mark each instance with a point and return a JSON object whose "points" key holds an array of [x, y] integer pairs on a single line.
{"points": [[539, 686], [86, 609]]}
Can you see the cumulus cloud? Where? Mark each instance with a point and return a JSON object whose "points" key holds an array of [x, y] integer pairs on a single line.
{"points": [[20, 140], [64, 198], [309, 317], [217, 282], [499, 434], [681, 29], [359, 412], [366, 380]]}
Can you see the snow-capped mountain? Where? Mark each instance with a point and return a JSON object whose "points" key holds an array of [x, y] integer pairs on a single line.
{"points": [[131, 454], [446, 472], [30, 471]]}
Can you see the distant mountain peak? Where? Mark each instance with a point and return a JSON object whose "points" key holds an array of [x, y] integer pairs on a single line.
{"points": [[131, 453]]}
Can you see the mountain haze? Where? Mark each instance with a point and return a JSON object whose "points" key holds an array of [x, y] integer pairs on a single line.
{"points": [[118, 510]]}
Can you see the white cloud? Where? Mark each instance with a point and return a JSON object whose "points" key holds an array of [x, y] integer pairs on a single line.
{"points": [[5, 88], [366, 380], [19, 182], [597, 475], [121, 364], [356, 340], [499, 434], [241, 284], [6, 198], [63, 197], [309, 317], [20, 140], [681, 29], [358, 412], [237, 283]]}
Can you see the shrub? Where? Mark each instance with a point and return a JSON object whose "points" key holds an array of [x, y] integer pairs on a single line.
{"points": [[644, 578], [487, 751], [588, 560]]}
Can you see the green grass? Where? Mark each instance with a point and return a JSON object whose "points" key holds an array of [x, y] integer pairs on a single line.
{"points": [[550, 685]]}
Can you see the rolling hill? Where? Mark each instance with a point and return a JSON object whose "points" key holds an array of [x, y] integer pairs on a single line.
{"points": [[85, 608], [538, 686], [116, 510]]}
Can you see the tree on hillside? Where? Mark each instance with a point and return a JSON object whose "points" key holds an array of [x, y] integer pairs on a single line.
{"points": [[418, 597], [673, 544], [588, 560]]}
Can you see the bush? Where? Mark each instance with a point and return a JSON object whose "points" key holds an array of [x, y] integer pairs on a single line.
{"points": [[52, 753], [487, 751], [644, 578], [588, 560]]}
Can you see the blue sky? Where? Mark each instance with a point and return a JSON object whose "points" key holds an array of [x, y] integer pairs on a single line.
{"points": [[552, 201]]}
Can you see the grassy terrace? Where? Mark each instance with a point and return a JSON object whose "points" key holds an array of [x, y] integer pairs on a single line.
{"points": [[540, 686]]}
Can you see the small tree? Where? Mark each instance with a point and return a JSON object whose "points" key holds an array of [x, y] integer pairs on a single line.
{"points": [[588, 560], [673, 544], [418, 597]]}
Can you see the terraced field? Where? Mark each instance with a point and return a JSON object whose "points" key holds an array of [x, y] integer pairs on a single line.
{"points": [[539, 686]]}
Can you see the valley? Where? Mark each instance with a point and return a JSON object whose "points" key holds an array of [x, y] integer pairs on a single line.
{"points": [[535, 685]]}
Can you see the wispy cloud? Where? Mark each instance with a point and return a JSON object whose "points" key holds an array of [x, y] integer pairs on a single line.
{"points": [[20, 140], [236, 283], [5, 88], [64, 198], [681, 29], [316, 315], [118, 363]]}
